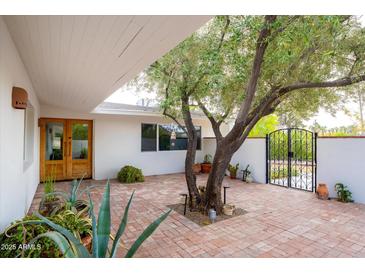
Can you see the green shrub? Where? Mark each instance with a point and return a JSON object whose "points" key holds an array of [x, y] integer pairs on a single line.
{"points": [[343, 194], [233, 169], [16, 237], [282, 172], [130, 174]]}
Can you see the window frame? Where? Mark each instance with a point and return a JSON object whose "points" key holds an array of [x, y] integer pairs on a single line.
{"points": [[156, 137]]}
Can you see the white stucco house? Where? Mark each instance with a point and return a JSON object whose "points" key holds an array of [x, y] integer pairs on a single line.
{"points": [[68, 65]]}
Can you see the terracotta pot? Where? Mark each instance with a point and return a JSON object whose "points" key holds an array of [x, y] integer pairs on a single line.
{"points": [[206, 167], [233, 175], [322, 191], [197, 168]]}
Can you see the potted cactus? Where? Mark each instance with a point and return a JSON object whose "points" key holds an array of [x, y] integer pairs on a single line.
{"points": [[246, 174], [233, 170]]}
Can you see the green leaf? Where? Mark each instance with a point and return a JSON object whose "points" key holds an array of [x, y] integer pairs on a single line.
{"points": [[103, 228], [95, 243], [76, 188], [145, 234], [121, 229], [80, 249], [60, 241]]}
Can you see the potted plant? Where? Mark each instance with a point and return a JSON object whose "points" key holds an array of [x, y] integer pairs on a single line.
{"points": [[233, 170], [197, 168], [50, 200], [343, 194], [206, 166], [246, 173]]}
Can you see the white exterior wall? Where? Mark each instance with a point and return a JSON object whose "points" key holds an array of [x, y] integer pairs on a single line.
{"points": [[341, 160], [252, 152], [18, 181], [117, 142], [338, 160]]}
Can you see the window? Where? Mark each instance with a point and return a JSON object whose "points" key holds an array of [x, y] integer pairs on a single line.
{"points": [[28, 152], [80, 141], [173, 137], [149, 137], [54, 141]]}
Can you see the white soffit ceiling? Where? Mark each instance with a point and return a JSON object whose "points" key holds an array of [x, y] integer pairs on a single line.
{"points": [[77, 61]]}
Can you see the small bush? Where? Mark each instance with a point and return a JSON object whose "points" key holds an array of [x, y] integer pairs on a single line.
{"points": [[130, 174], [16, 237], [343, 194]]}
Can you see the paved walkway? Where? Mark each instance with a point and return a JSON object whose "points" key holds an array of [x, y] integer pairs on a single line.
{"points": [[280, 222]]}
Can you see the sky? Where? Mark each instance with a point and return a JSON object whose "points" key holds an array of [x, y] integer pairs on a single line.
{"points": [[324, 118], [129, 95]]}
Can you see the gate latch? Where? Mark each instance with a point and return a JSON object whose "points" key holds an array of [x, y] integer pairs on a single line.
{"points": [[290, 154]]}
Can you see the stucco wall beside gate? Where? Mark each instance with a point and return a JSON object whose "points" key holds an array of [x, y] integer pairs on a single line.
{"points": [[252, 152], [342, 160], [339, 159]]}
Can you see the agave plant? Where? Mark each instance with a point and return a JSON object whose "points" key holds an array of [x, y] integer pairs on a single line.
{"points": [[74, 221], [72, 247], [71, 199]]}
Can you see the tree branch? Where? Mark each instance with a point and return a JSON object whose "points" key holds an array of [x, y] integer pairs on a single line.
{"points": [[261, 45], [273, 99], [353, 66], [221, 40], [225, 115], [213, 122], [165, 108], [283, 28], [342, 82]]}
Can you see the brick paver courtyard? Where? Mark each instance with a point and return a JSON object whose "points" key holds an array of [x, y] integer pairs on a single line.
{"points": [[280, 222]]}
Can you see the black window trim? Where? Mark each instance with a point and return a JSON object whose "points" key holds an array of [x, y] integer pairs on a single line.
{"points": [[156, 137]]}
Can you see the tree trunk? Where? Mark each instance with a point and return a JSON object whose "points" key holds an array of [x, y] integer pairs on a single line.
{"points": [[195, 199], [213, 198], [360, 97], [190, 177]]}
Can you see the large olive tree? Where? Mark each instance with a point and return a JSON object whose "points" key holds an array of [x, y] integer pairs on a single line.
{"points": [[244, 68]]}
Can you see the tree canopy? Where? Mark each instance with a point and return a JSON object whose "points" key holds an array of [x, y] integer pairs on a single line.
{"points": [[244, 68], [213, 65], [264, 126]]}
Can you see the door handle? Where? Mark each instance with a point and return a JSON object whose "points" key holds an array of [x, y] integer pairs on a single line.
{"points": [[69, 148]]}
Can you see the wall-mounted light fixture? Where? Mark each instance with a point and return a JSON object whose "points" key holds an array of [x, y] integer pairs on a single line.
{"points": [[19, 98]]}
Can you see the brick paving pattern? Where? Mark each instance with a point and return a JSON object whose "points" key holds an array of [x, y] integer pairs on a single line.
{"points": [[280, 222]]}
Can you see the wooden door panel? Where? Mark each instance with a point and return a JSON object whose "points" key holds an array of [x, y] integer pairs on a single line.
{"points": [[55, 169], [52, 148], [80, 168]]}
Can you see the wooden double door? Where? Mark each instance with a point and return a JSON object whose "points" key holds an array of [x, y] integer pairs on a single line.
{"points": [[65, 148]]}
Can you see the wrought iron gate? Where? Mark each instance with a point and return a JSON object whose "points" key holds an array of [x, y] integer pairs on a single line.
{"points": [[291, 158]]}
